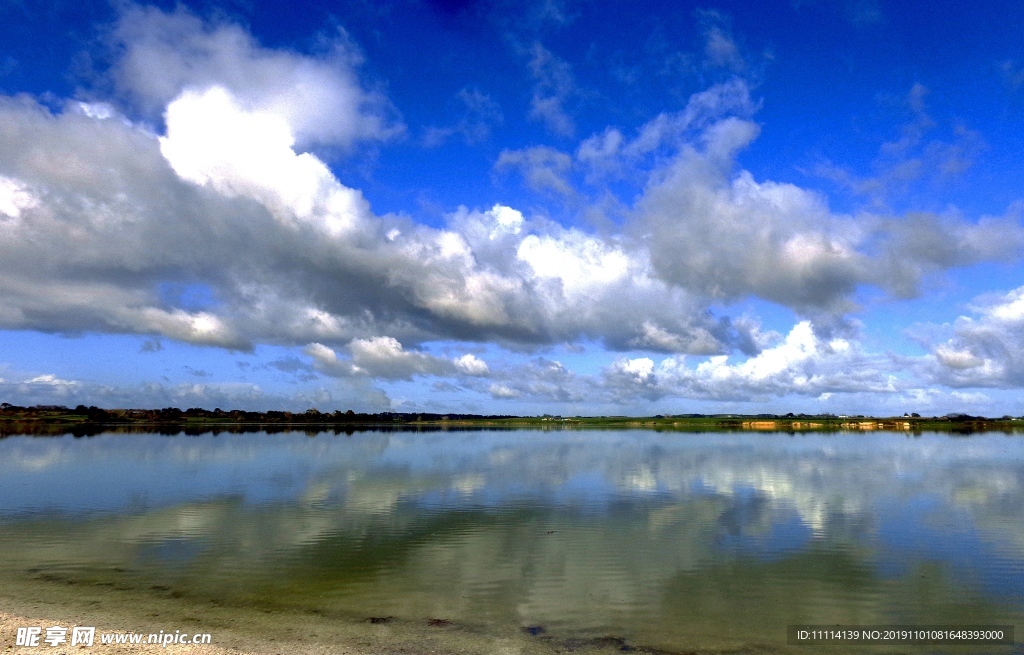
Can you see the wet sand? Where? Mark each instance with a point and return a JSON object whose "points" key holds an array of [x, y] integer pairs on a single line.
{"points": [[229, 642], [253, 631], [9, 624], [232, 643]]}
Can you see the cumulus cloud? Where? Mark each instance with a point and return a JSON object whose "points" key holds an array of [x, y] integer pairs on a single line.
{"points": [[386, 358], [213, 141], [984, 350], [49, 389], [470, 364], [803, 363], [320, 98], [99, 212], [14, 198], [729, 237], [611, 152], [540, 379], [723, 234]]}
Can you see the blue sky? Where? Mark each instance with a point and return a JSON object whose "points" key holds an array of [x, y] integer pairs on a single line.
{"points": [[494, 207]]}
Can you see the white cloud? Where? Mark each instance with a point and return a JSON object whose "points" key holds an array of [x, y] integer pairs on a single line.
{"points": [[501, 391], [49, 389], [726, 235], [211, 140], [386, 358], [481, 112], [97, 212], [540, 379], [471, 365], [325, 358], [320, 98], [911, 157], [543, 168], [508, 220], [194, 327], [803, 364], [554, 86], [985, 350], [50, 380], [15, 197], [949, 356], [641, 368], [664, 135], [580, 264], [720, 50], [654, 337]]}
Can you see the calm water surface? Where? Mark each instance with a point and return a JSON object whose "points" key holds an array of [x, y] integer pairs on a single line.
{"points": [[667, 540]]}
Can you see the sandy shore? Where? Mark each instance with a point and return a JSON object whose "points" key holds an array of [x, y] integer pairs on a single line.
{"points": [[9, 624], [321, 644], [231, 643], [316, 639], [451, 643], [235, 630], [256, 630]]}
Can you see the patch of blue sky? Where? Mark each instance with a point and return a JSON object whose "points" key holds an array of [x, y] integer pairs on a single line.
{"points": [[104, 358], [898, 325], [129, 360], [436, 396]]}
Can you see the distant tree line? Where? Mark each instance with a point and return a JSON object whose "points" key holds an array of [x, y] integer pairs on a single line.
{"points": [[95, 414]]}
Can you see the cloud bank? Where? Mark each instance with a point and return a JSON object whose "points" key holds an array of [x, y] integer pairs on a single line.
{"points": [[199, 172]]}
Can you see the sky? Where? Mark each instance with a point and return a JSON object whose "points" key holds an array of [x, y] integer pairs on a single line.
{"points": [[570, 207]]}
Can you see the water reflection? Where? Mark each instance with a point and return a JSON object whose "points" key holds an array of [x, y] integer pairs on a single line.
{"points": [[667, 539]]}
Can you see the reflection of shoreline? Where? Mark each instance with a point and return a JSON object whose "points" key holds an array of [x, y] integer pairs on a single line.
{"points": [[661, 585], [827, 480]]}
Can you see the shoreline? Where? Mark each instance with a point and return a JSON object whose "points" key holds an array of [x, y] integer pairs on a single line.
{"points": [[253, 631], [88, 421], [9, 624], [237, 631], [234, 645], [313, 639]]}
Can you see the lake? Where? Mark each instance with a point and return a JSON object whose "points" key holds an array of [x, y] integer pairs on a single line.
{"points": [[537, 540]]}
